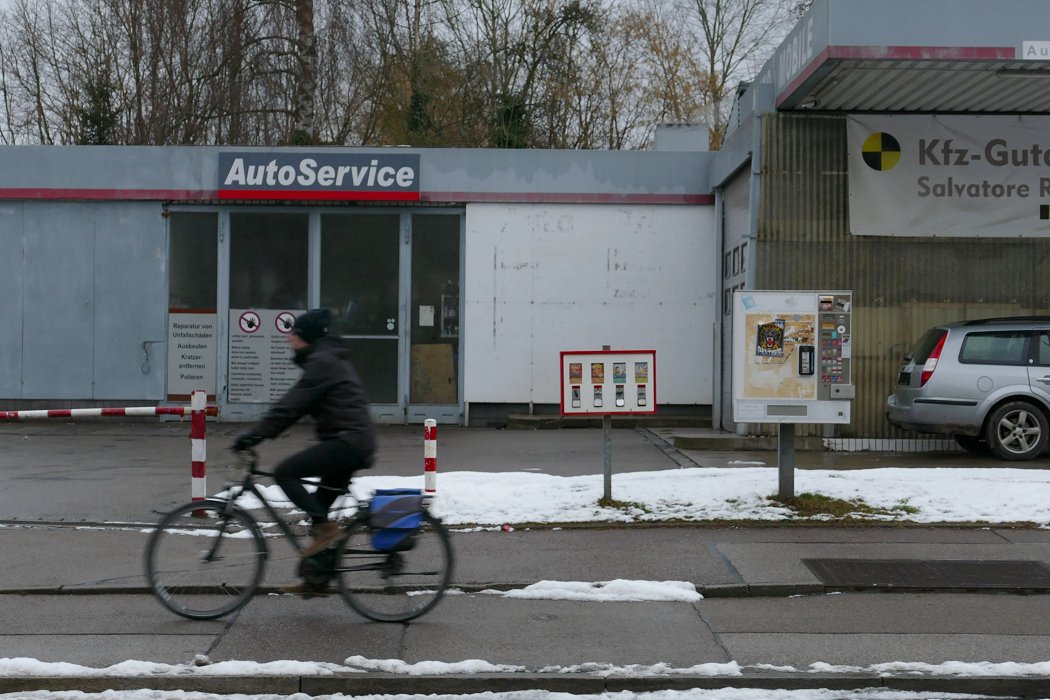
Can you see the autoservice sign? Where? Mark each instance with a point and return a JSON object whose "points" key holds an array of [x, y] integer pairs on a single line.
{"points": [[319, 176], [949, 175]]}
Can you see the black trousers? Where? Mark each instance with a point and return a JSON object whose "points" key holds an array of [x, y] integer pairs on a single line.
{"points": [[335, 461]]}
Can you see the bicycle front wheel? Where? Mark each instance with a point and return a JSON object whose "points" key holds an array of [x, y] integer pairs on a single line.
{"points": [[205, 559], [394, 586]]}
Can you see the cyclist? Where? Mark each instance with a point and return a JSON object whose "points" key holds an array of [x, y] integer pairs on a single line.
{"points": [[331, 392]]}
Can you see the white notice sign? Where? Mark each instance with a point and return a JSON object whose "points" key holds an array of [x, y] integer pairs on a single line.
{"points": [[261, 366], [191, 353]]}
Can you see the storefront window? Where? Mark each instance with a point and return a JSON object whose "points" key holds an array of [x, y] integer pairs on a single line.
{"points": [[359, 272], [194, 259], [268, 261], [192, 285]]}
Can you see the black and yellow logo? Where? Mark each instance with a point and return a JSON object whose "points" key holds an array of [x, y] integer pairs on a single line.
{"points": [[881, 151]]}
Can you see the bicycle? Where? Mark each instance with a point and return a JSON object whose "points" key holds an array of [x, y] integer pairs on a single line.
{"points": [[206, 559]]}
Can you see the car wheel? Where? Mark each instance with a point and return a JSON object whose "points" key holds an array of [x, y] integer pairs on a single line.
{"points": [[1017, 430], [972, 443]]}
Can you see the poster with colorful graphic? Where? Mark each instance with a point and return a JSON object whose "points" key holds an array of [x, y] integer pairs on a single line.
{"points": [[641, 372], [597, 373], [770, 338]]}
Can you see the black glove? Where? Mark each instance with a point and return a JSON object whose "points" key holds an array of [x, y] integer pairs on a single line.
{"points": [[246, 442]]}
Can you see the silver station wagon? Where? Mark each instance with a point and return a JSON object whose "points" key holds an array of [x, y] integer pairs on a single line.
{"points": [[986, 383]]}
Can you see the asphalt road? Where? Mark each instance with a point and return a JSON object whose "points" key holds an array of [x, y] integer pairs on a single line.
{"points": [[71, 587]]}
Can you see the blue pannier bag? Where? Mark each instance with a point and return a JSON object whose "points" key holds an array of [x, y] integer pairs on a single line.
{"points": [[395, 517]]}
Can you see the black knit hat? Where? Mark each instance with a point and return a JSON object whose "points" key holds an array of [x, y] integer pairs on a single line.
{"points": [[312, 324]]}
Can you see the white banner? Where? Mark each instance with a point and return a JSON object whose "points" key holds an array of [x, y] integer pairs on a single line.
{"points": [[949, 175]]}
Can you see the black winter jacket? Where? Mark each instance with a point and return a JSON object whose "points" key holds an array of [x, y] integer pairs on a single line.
{"points": [[330, 391]]}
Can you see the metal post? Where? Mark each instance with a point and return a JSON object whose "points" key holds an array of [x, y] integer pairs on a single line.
{"points": [[607, 447], [607, 444], [786, 460]]}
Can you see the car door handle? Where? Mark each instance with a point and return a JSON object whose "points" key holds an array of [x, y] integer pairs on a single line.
{"points": [[1045, 379]]}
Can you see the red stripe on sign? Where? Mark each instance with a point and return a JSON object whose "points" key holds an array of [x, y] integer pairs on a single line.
{"points": [[113, 412], [430, 464], [60, 413], [569, 197], [315, 195], [107, 194], [198, 469], [430, 432], [925, 53]]}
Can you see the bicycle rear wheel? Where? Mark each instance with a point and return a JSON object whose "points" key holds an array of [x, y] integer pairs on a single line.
{"points": [[205, 560], [394, 586]]}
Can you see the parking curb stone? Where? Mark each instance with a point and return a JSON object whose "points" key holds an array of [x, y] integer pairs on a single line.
{"points": [[278, 685], [453, 684]]}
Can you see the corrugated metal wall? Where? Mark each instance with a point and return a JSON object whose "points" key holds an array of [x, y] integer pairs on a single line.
{"points": [[901, 285], [736, 231]]}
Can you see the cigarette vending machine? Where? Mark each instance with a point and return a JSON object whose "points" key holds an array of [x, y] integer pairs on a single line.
{"points": [[792, 356]]}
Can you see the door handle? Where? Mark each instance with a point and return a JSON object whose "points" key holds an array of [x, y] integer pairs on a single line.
{"points": [[1045, 379]]}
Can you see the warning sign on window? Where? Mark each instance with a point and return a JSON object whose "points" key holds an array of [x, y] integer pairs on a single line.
{"points": [[260, 359]]}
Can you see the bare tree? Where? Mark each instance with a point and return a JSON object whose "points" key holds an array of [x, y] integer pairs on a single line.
{"points": [[734, 37], [474, 73], [521, 53], [303, 108], [345, 70], [624, 114]]}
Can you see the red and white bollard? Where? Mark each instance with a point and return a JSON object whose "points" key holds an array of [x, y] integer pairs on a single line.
{"points": [[430, 456], [198, 447]]}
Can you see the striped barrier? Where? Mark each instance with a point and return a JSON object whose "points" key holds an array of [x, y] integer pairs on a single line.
{"points": [[197, 411], [96, 412], [430, 456], [198, 448]]}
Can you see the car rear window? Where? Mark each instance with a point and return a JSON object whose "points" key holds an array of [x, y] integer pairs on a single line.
{"points": [[926, 345], [995, 348]]}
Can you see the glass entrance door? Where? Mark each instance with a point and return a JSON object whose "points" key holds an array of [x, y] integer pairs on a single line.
{"points": [[268, 287], [360, 282], [434, 377]]}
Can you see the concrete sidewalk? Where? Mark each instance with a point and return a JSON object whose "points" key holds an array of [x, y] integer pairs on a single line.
{"points": [[72, 589], [763, 611]]}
